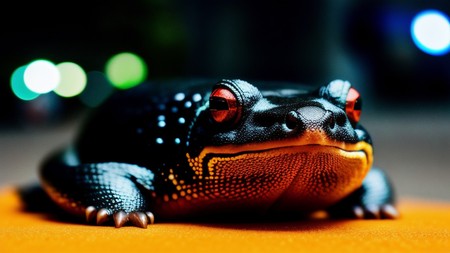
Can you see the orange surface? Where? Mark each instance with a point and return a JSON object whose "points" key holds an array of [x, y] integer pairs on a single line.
{"points": [[424, 226]]}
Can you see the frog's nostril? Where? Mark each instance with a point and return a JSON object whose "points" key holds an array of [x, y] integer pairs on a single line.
{"points": [[331, 122], [313, 118], [341, 119], [292, 120]]}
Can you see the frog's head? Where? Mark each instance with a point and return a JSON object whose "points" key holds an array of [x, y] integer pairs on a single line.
{"points": [[299, 149]]}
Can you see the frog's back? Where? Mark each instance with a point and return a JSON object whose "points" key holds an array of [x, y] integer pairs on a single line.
{"points": [[142, 124]]}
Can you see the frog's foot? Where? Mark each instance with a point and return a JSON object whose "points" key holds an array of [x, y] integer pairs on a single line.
{"points": [[361, 211], [385, 211], [101, 216], [373, 200]]}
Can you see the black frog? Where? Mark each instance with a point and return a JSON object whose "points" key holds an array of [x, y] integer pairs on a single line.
{"points": [[190, 149]]}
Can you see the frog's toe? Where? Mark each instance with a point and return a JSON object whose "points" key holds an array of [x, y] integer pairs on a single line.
{"points": [[389, 212], [358, 212], [91, 214], [98, 216], [120, 218], [386, 211], [372, 212], [138, 219], [102, 216]]}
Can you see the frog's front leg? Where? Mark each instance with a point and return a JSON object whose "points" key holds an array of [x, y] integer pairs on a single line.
{"points": [[373, 200], [100, 191]]}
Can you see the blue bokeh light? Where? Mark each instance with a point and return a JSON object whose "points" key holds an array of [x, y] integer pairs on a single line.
{"points": [[430, 31]]}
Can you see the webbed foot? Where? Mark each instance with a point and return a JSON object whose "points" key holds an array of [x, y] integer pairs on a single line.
{"points": [[120, 218]]}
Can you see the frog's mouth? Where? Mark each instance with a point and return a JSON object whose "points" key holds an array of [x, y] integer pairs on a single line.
{"points": [[308, 143], [288, 175]]}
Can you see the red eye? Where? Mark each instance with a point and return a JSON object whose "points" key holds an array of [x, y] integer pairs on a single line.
{"points": [[223, 106], [353, 105]]}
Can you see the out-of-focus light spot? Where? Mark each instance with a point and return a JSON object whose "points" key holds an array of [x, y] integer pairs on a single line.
{"points": [[430, 31], [18, 85], [179, 96], [161, 123], [98, 88], [41, 76], [73, 80], [197, 97], [126, 70]]}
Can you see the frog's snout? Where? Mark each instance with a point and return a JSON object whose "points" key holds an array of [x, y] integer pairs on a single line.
{"points": [[314, 118]]}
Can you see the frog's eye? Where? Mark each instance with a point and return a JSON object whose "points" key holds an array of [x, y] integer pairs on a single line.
{"points": [[353, 105], [224, 106]]}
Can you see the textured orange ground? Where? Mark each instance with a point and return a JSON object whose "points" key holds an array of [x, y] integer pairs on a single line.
{"points": [[424, 226]]}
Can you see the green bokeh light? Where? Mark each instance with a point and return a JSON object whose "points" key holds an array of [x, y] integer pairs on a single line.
{"points": [[18, 85], [73, 80], [126, 70]]}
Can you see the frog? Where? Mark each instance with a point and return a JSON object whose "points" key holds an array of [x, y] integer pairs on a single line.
{"points": [[227, 148]]}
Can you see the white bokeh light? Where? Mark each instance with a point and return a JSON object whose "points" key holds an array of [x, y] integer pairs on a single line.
{"points": [[430, 31], [41, 76]]}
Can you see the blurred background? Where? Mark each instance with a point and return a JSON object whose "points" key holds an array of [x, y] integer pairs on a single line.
{"points": [[59, 60]]}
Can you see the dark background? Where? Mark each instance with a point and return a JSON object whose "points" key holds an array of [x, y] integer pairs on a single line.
{"points": [[368, 43]]}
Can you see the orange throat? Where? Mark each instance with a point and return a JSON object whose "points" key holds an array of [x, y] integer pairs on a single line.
{"points": [[285, 177]]}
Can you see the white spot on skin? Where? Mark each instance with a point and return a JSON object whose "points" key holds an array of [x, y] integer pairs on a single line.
{"points": [[177, 141], [181, 120], [161, 117], [188, 104], [179, 96], [159, 140]]}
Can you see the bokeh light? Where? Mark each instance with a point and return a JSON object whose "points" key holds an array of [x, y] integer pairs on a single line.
{"points": [[41, 76], [18, 85], [430, 31], [126, 70], [98, 88], [73, 80]]}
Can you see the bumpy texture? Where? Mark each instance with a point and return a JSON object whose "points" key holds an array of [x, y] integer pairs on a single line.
{"points": [[174, 151]]}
